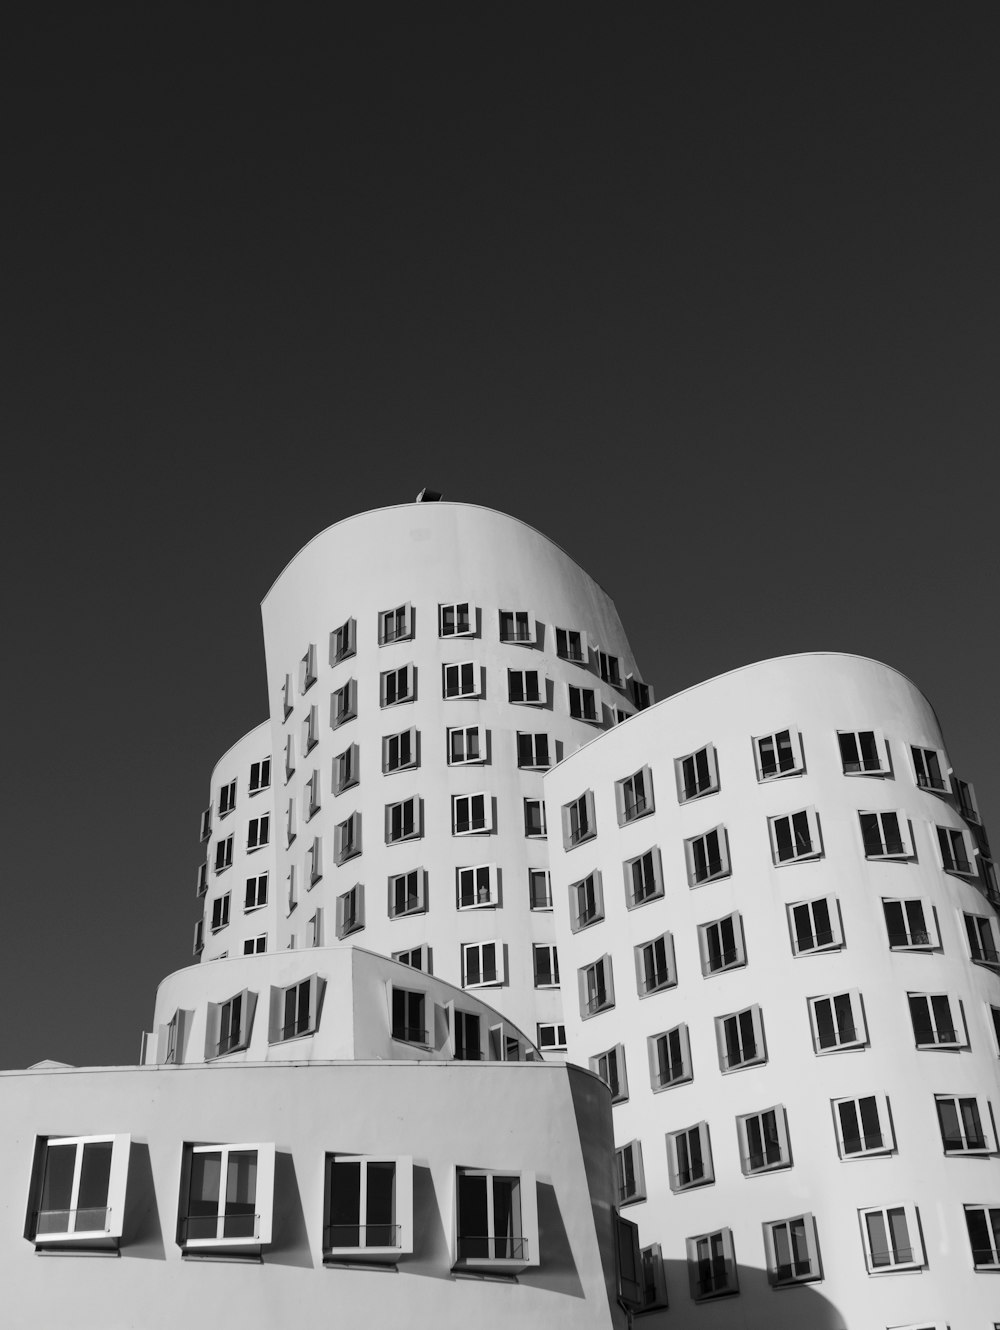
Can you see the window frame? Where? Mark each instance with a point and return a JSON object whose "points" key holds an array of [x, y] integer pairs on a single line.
{"points": [[987, 1144], [346, 769], [469, 826], [401, 1224], [959, 1038], [221, 911], [255, 946], [993, 1232], [630, 1173], [543, 900], [603, 979], [401, 630], [414, 1003], [757, 1058], [227, 798], [409, 813], [219, 1025], [775, 1268], [688, 792], [681, 1176], [552, 951], [344, 704], [835, 933], [409, 763], [780, 1142], [263, 1201], [796, 856], [856, 1034], [81, 1238], [471, 619], [343, 641], [351, 911], [517, 633], [258, 833], [642, 802], [692, 857], [255, 898], [886, 1138], [468, 680], [397, 687], [495, 978], [648, 867], [522, 1245], [590, 888], [724, 1280], [646, 987], [347, 838], [795, 767], [399, 890], [924, 776], [224, 854], [522, 677], [657, 1081], [564, 647], [481, 875], [860, 764], [929, 930], [963, 868], [579, 820], [556, 1045], [981, 952], [306, 997], [738, 949], [916, 1250], [537, 750], [885, 850], [465, 731], [263, 778], [530, 824], [610, 1067]]}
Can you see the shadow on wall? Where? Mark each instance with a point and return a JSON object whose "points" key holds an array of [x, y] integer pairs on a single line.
{"points": [[757, 1306], [142, 1236]]}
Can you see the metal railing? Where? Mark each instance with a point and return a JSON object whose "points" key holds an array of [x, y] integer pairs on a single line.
{"points": [[206, 1228], [898, 1256], [357, 1237], [721, 959], [507, 1248], [410, 1034], [88, 1219], [870, 1141]]}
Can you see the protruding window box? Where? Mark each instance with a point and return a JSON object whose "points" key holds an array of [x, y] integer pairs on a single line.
{"points": [[226, 1200], [77, 1194], [496, 1222], [367, 1209]]}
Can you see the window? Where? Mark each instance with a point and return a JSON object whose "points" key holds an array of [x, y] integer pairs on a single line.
{"points": [[351, 911], [795, 837], [533, 751], [289, 758], [307, 669], [815, 926], [983, 1223], [407, 893], [343, 642], [669, 1058], [344, 704], [224, 854], [397, 686], [569, 646], [286, 697], [220, 912], [863, 753], [934, 1024], [314, 861], [477, 887], [642, 693], [367, 1208], [654, 965], [956, 851], [927, 769], [712, 1265], [981, 931], [403, 820], [260, 775], [654, 1284], [466, 744], [885, 835], [202, 887], [395, 625], [457, 620], [792, 1251], [290, 822], [697, 774], [226, 1196], [539, 889], [408, 1023], [206, 823], [468, 1042], [346, 769], [763, 1140], [689, 1157], [631, 1179], [293, 897], [199, 938], [229, 1024], [909, 924], [643, 878], [837, 1021], [310, 730], [545, 959], [597, 988], [255, 946], [483, 964], [462, 680], [707, 857], [525, 687], [579, 823], [721, 944], [586, 901], [584, 705], [515, 626], [778, 754], [610, 1066], [863, 1126], [77, 1196], [609, 669], [471, 814], [891, 1237], [963, 1121], [965, 797], [496, 1221], [634, 796], [258, 832], [227, 798], [534, 818], [347, 838], [256, 895], [740, 1039], [552, 1037]]}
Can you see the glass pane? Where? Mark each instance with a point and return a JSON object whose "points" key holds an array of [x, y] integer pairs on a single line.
{"points": [[507, 1217], [344, 1229], [241, 1194], [473, 1216], [95, 1178], [57, 1189], [381, 1211], [203, 1198]]}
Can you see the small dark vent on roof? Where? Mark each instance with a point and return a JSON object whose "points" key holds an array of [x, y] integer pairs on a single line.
{"points": [[428, 496]]}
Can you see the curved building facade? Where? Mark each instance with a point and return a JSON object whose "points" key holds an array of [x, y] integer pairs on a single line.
{"points": [[776, 913]]}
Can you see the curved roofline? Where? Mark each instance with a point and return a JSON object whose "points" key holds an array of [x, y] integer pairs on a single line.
{"points": [[261, 724], [438, 503]]}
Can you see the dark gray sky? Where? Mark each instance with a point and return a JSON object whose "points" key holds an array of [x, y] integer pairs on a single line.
{"points": [[710, 294]]}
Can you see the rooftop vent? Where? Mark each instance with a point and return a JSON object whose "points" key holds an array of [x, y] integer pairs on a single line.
{"points": [[428, 496]]}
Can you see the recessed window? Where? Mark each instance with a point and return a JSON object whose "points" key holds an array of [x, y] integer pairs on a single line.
{"points": [[220, 912], [199, 938], [343, 642], [609, 668], [482, 964], [795, 837], [584, 704], [697, 774], [396, 686], [226, 1197], [610, 1066], [963, 1121], [307, 669], [227, 798], [314, 861], [344, 704], [407, 893], [258, 832], [569, 646], [712, 1265], [838, 1022], [403, 820], [347, 838], [408, 1016], [586, 901], [551, 1037], [981, 931], [468, 1039], [351, 911], [367, 1208], [909, 924], [763, 1140], [654, 965], [934, 1023], [417, 958], [957, 851], [579, 822], [815, 926], [466, 744], [721, 944], [533, 751], [206, 823], [289, 757], [740, 1039], [792, 1251], [689, 1157], [539, 889], [545, 964], [778, 754], [260, 775], [224, 854], [395, 625], [634, 796], [346, 769], [669, 1058], [477, 887], [927, 769], [863, 1126], [78, 1191], [643, 878], [983, 1223], [462, 680], [891, 1236], [516, 626], [885, 835], [229, 1024], [525, 687], [255, 946], [534, 819], [256, 894], [458, 620], [496, 1222], [471, 814], [597, 988], [631, 1178], [863, 753], [707, 857]]}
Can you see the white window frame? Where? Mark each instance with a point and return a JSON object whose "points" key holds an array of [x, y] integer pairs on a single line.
{"points": [[520, 1246], [534, 751], [311, 795], [530, 696], [227, 798], [255, 896], [81, 1229], [529, 823], [461, 679], [344, 704], [869, 759], [579, 820], [956, 1028], [981, 934], [630, 1173], [307, 669], [886, 821], [963, 867], [869, 1143], [692, 782], [774, 1153], [634, 796], [782, 1274], [455, 629], [667, 1062], [698, 850], [346, 769], [752, 1051], [477, 887], [848, 1034], [303, 999], [401, 1225], [641, 693], [647, 984], [395, 625], [522, 630], [822, 939], [201, 887], [409, 813], [917, 939], [910, 1257], [221, 908], [263, 1198], [557, 1042], [343, 641], [584, 704], [992, 1225], [539, 899], [596, 985], [724, 1278], [255, 946], [407, 893], [689, 1158], [314, 929], [564, 647], [586, 901], [262, 779], [778, 754], [347, 838], [929, 767], [417, 958], [258, 833], [464, 818], [229, 1023], [610, 1066], [397, 686], [351, 911], [550, 952], [287, 697], [466, 731], [643, 878], [494, 976], [798, 854], [737, 954], [964, 1143], [224, 854]]}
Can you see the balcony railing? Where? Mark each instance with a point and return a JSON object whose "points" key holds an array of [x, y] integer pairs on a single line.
{"points": [[219, 1228], [359, 1236], [509, 1248], [871, 1141], [90, 1219], [409, 1034]]}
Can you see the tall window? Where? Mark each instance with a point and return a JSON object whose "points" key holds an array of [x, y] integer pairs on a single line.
{"points": [[863, 1126], [792, 1250], [468, 1036], [669, 1058], [260, 775], [885, 835], [908, 924], [579, 823], [689, 1157], [343, 642], [934, 1023], [721, 944], [545, 959], [490, 1220], [346, 769], [398, 686], [610, 1066], [361, 1206], [539, 889], [403, 821], [462, 680], [635, 796], [956, 851], [471, 813], [525, 687], [837, 1021], [227, 1197], [399, 751], [533, 751], [643, 878], [515, 626], [740, 1037], [927, 769], [712, 1265], [697, 774], [407, 893], [654, 963], [983, 1223], [631, 1179], [482, 964], [707, 857], [227, 798], [778, 754], [466, 744], [962, 1121], [891, 1237], [569, 645], [815, 925], [457, 620], [764, 1140], [584, 704], [795, 836], [408, 1021], [396, 624], [258, 832], [586, 901], [597, 992], [862, 753], [81, 1190], [477, 886]]}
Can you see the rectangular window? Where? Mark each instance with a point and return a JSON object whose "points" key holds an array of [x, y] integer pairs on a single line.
{"points": [[863, 752], [351, 911], [471, 814], [343, 642], [220, 912], [792, 1251], [496, 1220], [927, 769], [539, 889], [525, 687], [224, 854], [466, 744], [863, 1126], [227, 798], [707, 857], [778, 754], [229, 1024], [885, 835], [643, 878], [346, 769], [347, 839], [551, 1037], [721, 944], [255, 946], [78, 1191], [258, 832], [457, 620], [396, 686], [795, 837], [344, 704], [289, 758], [515, 626], [260, 775], [395, 625], [815, 926], [586, 901], [712, 1265], [462, 680], [569, 646], [891, 1237], [226, 1198], [206, 823], [545, 962], [202, 886], [294, 1010], [689, 1157], [403, 821], [909, 924], [963, 1121], [838, 1022], [631, 1179], [482, 964], [408, 1020], [533, 751], [310, 730], [597, 989], [364, 1201], [468, 1036], [584, 704], [981, 930], [983, 1223], [477, 887], [610, 1066], [407, 893], [307, 669], [609, 668], [957, 854], [669, 1058], [642, 693], [579, 823], [654, 965], [534, 819], [740, 1039], [634, 796], [965, 797], [256, 895], [934, 1024], [697, 774], [314, 861], [199, 938], [763, 1140]]}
